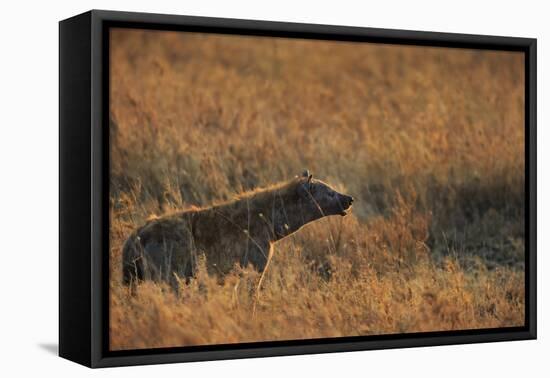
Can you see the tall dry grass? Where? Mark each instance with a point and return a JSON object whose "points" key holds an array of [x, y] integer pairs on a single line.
{"points": [[429, 141]]}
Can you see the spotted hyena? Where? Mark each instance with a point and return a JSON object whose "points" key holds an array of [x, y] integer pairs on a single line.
{"points": [[241, 231]]}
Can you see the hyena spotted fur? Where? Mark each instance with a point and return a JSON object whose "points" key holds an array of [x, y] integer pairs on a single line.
{"points": [[241, 231]]}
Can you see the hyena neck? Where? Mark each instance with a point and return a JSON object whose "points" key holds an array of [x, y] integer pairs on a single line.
{"points": [[283, 215], [291, 218], [274, 212]]}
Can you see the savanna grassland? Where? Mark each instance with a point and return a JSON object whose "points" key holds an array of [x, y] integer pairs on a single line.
{"points": [[429, 141]]}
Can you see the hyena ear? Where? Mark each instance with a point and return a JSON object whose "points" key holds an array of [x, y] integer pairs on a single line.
{"points": [[307, 174], [304, 188]]}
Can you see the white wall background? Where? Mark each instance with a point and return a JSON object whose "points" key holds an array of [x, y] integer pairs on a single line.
{"points": [[29, 186]]}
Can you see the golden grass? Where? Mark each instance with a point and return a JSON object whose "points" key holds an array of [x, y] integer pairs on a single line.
{"points": [[429, 141]]}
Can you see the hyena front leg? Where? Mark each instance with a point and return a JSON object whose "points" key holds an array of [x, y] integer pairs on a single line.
{"points": [[259, 257]]}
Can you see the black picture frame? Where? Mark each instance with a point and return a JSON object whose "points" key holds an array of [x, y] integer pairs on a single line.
{"points": [[84, 187]]}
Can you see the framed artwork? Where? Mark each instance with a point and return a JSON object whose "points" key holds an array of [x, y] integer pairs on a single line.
{"points": [[234, 188]]}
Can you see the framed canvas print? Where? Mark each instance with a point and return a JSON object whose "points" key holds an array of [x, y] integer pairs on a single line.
{"points": [[233, 188]]}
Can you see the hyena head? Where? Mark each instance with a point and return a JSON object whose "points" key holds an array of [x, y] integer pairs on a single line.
{"points": [[318, 200]]}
